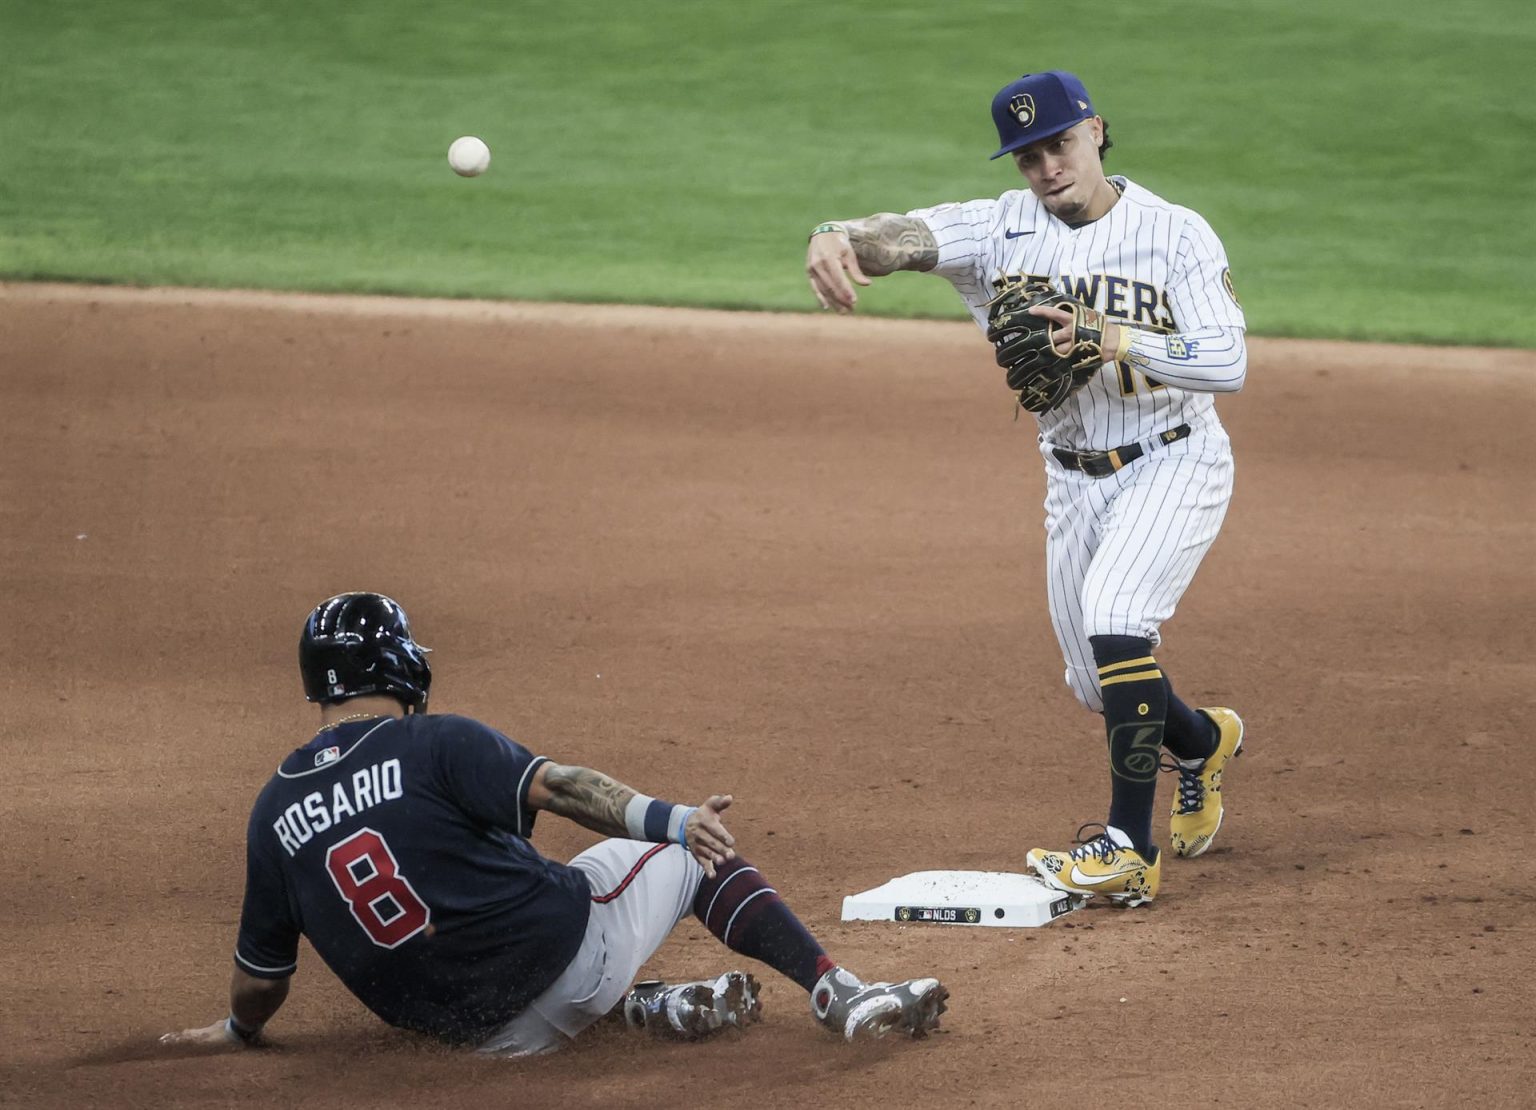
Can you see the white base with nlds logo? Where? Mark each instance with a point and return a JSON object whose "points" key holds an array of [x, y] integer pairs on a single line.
{"points": [[996, 898]]}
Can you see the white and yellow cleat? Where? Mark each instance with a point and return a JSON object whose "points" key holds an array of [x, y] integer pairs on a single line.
{"points": [[1100, 866], [1197, 808]]}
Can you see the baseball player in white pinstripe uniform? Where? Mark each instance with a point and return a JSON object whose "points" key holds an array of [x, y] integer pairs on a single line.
{"points": [[1139, 469]]}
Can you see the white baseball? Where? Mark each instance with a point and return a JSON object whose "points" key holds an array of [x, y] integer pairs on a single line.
{"points": [[469, 156]]}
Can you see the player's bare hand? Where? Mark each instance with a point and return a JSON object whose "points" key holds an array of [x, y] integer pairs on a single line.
{"points": [[1061, 334], [216, 1035], [833, 268], [708, 839]]}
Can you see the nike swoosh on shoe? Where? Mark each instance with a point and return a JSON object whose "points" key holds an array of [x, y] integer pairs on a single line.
{"points": [[1095, 880]]}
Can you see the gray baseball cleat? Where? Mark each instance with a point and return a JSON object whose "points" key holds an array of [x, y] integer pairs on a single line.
{"points": [[858, 1011], [690, 1011]]}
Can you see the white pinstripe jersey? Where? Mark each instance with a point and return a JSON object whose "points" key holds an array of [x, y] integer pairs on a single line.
{"points": [[1146, 261]]}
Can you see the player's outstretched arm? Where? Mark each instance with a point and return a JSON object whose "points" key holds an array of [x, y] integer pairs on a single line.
{"points": [[843, 252], [252, 1002], [605, 805]]}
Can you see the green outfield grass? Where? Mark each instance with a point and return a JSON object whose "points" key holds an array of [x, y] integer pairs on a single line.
{"points": [[1369, 164]]}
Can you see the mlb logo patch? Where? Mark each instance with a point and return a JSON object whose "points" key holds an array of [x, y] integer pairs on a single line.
{"points": [[330, 755]]}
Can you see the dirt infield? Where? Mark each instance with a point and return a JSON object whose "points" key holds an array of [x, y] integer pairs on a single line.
{"points": [[798, 558]]}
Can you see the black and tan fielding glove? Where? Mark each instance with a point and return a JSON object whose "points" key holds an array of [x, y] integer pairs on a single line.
{"points": [[1042, 376]]}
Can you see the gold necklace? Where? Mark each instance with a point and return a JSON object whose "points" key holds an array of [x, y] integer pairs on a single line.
{"points": [[339, 721]]}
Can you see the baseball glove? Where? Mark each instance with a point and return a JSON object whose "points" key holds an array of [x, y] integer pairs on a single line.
{"points": [[1044, 377]]}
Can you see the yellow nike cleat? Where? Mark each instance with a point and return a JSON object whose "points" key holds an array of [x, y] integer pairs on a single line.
{"points": [[1197, 809], [1100, 866]]}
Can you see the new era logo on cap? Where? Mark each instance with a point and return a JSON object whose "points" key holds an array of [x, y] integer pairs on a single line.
{"points": [[1037, 106]]}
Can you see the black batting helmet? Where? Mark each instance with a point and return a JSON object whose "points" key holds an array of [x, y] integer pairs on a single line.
{"points": [[360, 643]]}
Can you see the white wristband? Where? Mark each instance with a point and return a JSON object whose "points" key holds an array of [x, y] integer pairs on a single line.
{"points": [[677, 825], [634, 815]]}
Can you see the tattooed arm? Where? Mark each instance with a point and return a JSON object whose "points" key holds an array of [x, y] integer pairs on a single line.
{"points": [[886, 242], [592, 799], [588, 797], [859, 249]]}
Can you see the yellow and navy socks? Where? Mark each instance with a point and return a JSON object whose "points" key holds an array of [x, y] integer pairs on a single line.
{"points": [[1135, 711], [1189, 735]]}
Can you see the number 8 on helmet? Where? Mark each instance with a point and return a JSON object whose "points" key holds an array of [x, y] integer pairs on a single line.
{"points": [[360, 643]]}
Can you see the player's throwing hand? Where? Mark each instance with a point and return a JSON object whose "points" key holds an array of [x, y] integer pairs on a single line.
{"points": [[706, 835], [829, 263]]}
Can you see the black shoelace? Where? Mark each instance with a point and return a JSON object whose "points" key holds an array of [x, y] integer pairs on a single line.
{"points": [[1100, 846], [1191, 789]]}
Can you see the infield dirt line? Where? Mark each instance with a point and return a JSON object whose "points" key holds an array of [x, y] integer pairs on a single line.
{"points": [[1290, 353]]}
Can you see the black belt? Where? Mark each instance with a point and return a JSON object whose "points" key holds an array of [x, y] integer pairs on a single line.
{"points": [[1101, 464]]}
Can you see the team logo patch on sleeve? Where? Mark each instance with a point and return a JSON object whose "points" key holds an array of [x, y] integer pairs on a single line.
{"points": [[1226, 283], [1023, 108]]}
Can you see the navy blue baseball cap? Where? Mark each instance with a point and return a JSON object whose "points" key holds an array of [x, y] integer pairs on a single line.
{"points": [[1037, 106]]}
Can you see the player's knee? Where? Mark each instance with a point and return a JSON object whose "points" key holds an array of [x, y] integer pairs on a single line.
{"points": [[1085, 685], [1099, 617], [1101, 622], [1105, 623]]}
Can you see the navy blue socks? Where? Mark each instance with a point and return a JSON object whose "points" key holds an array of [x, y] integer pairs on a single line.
{"points": [[1189, 734], [748, 916]]}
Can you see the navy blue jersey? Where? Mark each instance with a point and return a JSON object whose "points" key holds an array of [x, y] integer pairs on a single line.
{"points": [[399, 848]]}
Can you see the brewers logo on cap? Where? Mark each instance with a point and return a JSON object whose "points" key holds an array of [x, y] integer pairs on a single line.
{"points": [[1023, 108], [1037, 106]]}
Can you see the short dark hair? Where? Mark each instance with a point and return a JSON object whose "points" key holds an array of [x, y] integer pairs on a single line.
{"points": [[1106, 144]]}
